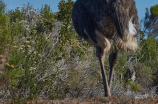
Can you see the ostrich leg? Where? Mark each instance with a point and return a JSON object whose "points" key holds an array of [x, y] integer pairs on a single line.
{"points": [[101, 56], [112, 60]]}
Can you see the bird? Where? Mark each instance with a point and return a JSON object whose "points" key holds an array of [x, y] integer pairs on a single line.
{"points": [[101, 21]]}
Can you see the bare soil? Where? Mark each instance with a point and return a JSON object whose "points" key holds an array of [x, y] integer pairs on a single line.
{"points": [[110, 100]]}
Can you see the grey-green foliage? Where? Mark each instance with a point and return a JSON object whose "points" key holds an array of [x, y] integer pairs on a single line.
{"points": [[2, 7], [45, 58], [38, 53], [30, 54], [4, 24], [48, 16], [151, 22], [149, 50]]}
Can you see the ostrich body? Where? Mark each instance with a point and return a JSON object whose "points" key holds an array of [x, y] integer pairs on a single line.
{"points": [[99, 21]]}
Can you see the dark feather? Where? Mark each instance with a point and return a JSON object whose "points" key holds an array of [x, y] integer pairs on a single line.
{"points": [[107, 16]]}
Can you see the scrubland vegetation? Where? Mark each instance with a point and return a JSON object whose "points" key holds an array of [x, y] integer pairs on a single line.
{"points": [[42, 57]]}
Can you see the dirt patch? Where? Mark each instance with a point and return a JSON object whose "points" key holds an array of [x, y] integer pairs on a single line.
{"points": [[110, 100]]}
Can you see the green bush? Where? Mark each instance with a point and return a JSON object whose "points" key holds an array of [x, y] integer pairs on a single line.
{"points": [[154, 9]]}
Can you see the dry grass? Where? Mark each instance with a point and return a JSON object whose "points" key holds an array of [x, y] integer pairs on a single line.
{"points": [[95, 100]]}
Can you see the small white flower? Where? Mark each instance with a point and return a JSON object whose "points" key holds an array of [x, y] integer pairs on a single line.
{"points": [[30, 69], [22, 45], [21, 48], [27, 41], [28, 46], [27, 29], [30, 51]]}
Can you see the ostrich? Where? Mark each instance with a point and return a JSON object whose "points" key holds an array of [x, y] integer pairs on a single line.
{"points": [[99, 21]]}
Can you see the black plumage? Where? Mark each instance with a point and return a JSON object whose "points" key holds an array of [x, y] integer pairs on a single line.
{"points": [[97, 21]]}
